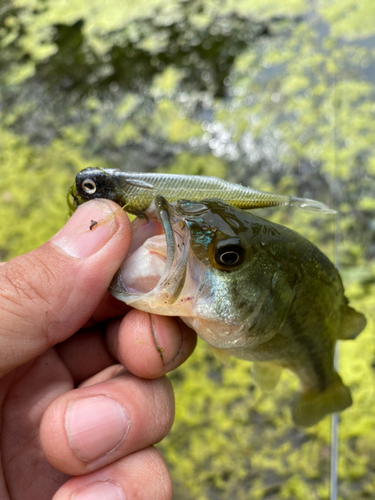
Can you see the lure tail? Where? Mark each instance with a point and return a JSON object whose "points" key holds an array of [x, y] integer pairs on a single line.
{"points": [[310, 205]]}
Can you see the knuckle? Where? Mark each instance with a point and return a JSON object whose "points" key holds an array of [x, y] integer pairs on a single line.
{"points": [[27, 280], [26, 295]]}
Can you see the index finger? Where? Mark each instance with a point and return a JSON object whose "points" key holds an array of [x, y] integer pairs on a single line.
{"points": [[149, 345]]}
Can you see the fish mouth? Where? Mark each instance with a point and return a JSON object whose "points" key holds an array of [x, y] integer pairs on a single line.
{"points": [[154, 272], [161, 274]]}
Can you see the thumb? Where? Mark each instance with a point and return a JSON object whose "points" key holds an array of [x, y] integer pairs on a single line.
{"points": [[49, 293]]}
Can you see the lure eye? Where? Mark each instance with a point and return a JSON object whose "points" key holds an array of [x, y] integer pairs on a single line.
{"points": [[89, 186], [229, 254]]}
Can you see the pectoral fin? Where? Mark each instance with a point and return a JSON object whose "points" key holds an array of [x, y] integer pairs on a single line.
{"points": [[266, 375], [311, 407], [352, 325]]}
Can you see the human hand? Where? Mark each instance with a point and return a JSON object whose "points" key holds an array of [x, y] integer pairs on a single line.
{"points": [[83, 397]]}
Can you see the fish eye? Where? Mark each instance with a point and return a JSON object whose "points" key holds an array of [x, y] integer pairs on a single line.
{"points": [[229, 255], [89, 186]]}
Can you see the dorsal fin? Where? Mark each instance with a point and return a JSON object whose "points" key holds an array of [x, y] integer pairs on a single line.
{"points": [[139, 183]]}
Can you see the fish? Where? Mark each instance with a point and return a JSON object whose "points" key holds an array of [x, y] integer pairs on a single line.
{"points": [[250, 288], [135, 191]]}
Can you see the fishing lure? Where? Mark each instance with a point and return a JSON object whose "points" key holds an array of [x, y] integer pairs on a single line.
{"points": [[135, 191]]}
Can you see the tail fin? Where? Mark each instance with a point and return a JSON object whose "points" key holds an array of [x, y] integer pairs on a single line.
{"points": [[311, 407], [352, 325]]}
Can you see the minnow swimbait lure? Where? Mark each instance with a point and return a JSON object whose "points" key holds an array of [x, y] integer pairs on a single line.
{"points": [[135, 191]]}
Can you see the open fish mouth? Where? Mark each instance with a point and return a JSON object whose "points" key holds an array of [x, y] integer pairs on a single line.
{"points": [[163, 275], [154, 272]]}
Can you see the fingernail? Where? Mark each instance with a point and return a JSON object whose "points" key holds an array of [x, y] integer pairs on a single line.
{"points": [[95, 426], [91, 226], [99, 491], [168, 337]]}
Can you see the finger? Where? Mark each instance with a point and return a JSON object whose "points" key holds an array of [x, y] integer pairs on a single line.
{"points": [[32, 388], [149, 345], [112, 371], [109, 307], [85, 353], [92, 426], [48, 294], [140, 476]]}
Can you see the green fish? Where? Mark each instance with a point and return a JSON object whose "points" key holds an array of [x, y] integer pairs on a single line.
{"points": [[135, 191], [250, 288]]}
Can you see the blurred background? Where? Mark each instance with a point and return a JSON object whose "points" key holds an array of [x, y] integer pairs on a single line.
{"points": [[275, 94]]}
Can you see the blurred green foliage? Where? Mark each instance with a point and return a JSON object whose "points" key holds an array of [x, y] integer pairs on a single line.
{"points": [[278, 95]]}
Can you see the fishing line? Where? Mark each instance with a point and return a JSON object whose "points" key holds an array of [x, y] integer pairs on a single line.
{"points": [[335, 417], [334, 444]]}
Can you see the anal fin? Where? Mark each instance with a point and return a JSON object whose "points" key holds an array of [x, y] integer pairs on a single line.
{"points": [[311, 407], [266, 375]]}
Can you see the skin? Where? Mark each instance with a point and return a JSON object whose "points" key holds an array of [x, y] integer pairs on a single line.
{"points": [[82, 390]]}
